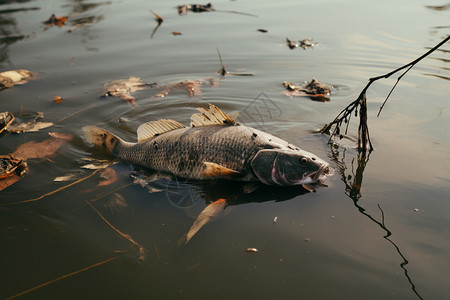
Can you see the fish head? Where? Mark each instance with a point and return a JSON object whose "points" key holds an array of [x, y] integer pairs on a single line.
{"points": [[285, 167]]}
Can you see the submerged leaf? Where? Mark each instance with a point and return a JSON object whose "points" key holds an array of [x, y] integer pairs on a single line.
{"points": [[107, 177], [43, 149]]}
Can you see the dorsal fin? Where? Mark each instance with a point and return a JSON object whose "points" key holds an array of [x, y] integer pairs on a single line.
{"points": [[211, 116], [153, 128]]}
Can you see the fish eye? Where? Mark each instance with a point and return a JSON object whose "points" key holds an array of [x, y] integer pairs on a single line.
{"points": [[304, 161]]}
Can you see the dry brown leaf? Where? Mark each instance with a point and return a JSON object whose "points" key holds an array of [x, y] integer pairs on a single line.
{"points": [[124, 87], [193, 87], [58, 99], [29, 127], [10, 78], [43, 149], [313, 89], [58, 21], [11, 170], [107, 177]]}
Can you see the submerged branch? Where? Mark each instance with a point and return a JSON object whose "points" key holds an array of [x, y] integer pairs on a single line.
{"points": [[344, 116]]}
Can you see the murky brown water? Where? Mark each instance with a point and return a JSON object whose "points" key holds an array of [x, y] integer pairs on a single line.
{"points": [[387, 240]]}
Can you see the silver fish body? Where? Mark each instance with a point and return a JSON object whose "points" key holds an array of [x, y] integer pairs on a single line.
{"points": [[216, 150]]}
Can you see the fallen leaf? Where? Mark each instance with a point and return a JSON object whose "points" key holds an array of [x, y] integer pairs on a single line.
{"points": [[193, 87], [43, 149], [29, 127], [197, 8], [252, 250], [10, 78], [54, 20], [107, 177], [305, 44], [176, 33], [58, 99], [11, 170], [67, 177], [124, 87], [314, 89], [263, 30]]}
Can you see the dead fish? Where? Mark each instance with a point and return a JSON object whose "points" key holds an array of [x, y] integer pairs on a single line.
{"points": [[214, 146]]}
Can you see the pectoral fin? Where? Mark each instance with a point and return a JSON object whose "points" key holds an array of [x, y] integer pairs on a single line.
{"points": [[205, 216], [215, 170]]}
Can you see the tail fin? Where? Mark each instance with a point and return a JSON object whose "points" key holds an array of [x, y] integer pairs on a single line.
{"points": [[101, 138]]}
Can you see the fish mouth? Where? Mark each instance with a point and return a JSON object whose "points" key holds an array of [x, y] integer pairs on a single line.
{"points": [[321, 174]]}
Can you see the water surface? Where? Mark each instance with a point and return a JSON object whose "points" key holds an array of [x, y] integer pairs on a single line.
{"points": [[386, 240]]}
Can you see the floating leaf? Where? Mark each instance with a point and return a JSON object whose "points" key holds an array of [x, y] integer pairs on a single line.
{"points": [[313, 89], [193, 87], [58, 99], [43, 149], [124, 87], [107, 177], [252, 250], [176, 33], [54, 20], [305, 44], [10, 78]]}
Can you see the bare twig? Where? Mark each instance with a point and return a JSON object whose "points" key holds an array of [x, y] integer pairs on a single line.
{"points": [[344, 116], [63, 277]]}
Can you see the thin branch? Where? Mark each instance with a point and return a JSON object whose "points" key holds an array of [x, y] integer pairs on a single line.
{"points": [[344, 116], [63, 277]]}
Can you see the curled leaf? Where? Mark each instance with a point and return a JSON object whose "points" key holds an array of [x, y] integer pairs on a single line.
{"points": [[123, 88], [10, 78]]}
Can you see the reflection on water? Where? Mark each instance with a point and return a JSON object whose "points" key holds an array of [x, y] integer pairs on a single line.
{"points": [[353, 183]]}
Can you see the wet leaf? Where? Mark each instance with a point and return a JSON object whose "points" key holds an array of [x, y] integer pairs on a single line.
{"points": [[43, 149], [11, 170], [263, 30], [197, 8], [54, 20], [314, 89], [123, 88], [107, 177], [67, 177], [176, 33], [30, 126], [193, 87], [252, 250], [10, 78], [305, 44], [58, 99]]}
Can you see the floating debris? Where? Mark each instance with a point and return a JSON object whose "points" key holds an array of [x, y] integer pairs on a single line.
{"points": [[224, 72], [54, 20], [31, 126], [314, 89], [124, 87], [251, 250], [197, 8], [159, 20], [176, 33], [11, 78], [6, 118], [193, 87], [305, 44], [263, 30], [275, 219]]}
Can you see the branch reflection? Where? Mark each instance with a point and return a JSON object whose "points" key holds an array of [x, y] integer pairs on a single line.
{"points": [[353, 182]]}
